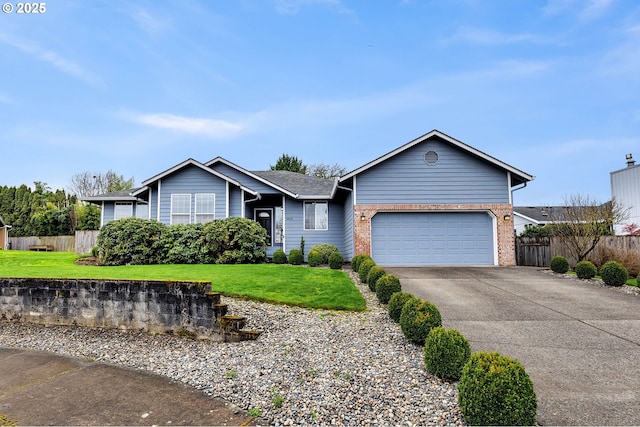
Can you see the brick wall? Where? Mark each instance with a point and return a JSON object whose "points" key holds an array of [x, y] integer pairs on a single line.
{"points": [[505, 235]]}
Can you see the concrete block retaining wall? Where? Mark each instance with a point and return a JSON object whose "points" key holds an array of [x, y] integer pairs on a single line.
{"points": [[152, 306]]}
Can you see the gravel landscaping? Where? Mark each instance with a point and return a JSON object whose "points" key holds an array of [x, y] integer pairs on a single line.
{"points": [[312, 367]]}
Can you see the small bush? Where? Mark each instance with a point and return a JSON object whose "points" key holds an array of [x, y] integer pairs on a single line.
{"points": [[374, 274], [279, 257], [614, 274], [325, 251], [496, 390], [559, 264], [396, 302], [336, 260], [418, 318], [296, 257], [235, 240], [446, 352], [314, 258], [386, 286], [585, 270], [363, 270], [357, 260]]}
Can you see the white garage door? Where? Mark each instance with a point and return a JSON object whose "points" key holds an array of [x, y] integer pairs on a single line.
{"points": [[432, 238]]}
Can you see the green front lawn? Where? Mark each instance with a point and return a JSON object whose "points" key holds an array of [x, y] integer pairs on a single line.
{"points": [[282, 284]]}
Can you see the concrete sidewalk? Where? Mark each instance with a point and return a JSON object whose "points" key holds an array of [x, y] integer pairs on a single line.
{"points": [[579, 342], [44, 389]]}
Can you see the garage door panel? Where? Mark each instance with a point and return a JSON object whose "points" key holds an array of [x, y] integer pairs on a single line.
{"points": [[432, 238]]}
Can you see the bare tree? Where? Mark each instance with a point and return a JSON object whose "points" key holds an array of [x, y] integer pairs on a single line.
{"points": [[321, 170], [91, 183], [582, 221]]}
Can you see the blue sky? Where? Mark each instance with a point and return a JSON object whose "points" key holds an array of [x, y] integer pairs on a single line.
{"points": [[550, 87]]}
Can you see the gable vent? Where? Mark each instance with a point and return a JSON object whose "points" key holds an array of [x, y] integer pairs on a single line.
{"points": [[431, 158]]}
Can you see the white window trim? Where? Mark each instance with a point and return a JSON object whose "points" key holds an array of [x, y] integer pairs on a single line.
{"points": [[212, 213], [171, 214], [304, 216]]}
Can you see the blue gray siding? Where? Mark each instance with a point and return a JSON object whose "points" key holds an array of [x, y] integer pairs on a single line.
{"points": [[457, 177], [192, 180], [348, 252], [235, 201], [295, 228]]}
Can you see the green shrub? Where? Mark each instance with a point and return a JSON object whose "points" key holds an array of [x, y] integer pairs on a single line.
{"points": [[183, 244], [373, 275], [235, 240], [386, 286], [131, 241], [445, 353], [314, 258], [417, 318], [396, 302], [496, 390], [363, 270], [585, 270], [614, 274], [336, 260], [559, 264], [325, 250], [279, 257], [296, 257], [357, 260]]}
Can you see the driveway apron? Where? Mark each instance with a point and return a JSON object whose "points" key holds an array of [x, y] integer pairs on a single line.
{"points": [[579, 341]]}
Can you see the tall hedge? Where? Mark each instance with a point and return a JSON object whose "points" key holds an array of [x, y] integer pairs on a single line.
{"points": [[235, 241], [130, 241]]}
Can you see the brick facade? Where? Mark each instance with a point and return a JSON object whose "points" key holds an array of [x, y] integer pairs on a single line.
{"points": [[505, 236]]}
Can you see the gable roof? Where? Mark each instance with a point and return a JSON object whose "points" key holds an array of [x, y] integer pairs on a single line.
{"points": [[117, 196], [190, 162], [302, 185], [517, 176], [293, 184]]}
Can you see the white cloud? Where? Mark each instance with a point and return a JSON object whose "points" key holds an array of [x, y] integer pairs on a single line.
{"points": [[624, 60], [594, 9], [212, 128], [586, 11], [150, 24], [51, 57], [291, 7], [491, 37]]}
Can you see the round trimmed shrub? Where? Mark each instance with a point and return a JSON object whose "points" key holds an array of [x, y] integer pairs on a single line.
{"points": [[496, 390], [614, 274], [417, 318], [131, 241], [325, 250], [559, 264], [386, 286], [446, 351], [585, 270], [374, 274], [396, 302], [279, 257], [357, 260], [336, 260], [296, 257], [314, 258], [363, 270]]}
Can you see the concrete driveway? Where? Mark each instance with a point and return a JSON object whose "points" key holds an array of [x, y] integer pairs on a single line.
{"points": [[579, 342]]}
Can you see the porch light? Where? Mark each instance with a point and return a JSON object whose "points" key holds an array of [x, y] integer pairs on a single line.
{"points": [[362, 217], [507, 216]]}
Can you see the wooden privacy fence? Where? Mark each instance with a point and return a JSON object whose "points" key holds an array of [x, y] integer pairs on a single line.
{"points": [[81, 243], [538, 251]]}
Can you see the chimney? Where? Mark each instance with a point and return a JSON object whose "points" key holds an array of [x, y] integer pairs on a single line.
{"points": [[630, 161]]}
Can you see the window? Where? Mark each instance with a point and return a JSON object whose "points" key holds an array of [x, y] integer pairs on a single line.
{"points": [[142, 210], [205, 208], [316, 216], [123, 210], [279, 225], [180, 208]]}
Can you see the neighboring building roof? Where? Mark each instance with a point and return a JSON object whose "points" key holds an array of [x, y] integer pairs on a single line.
{"points": [[539, 214], [303, 186], [118, 196], [517, 176]]}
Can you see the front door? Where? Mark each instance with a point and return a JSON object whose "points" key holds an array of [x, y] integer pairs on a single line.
{"points": [[264, 217]]}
